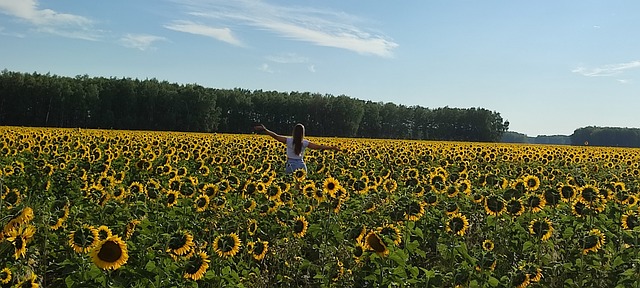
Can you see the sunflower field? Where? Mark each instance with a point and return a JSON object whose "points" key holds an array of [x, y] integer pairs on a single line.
{"points": [[104, 208]]}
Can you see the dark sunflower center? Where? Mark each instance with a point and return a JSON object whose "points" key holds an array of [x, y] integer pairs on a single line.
{"points": [[567, 192], [532, 183], [632, 221], [110, 252], [298, 226], [456, 224], [540, 228], [171, 198], [331, 186], [494, 204], [11, 198], [414, 208], [552, 197], [358, 251], [177, 241], [227, 244], [201, 202], [514, 207], [589, 242], [259, 248], [376, 243], [194, 265], [589, 194], [534, 202]]}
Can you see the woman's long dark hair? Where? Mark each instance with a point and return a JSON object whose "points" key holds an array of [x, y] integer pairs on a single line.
{"points": [[298, 134]]}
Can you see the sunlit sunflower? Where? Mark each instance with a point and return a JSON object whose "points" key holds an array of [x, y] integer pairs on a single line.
{"points": [[389, 185], [590, 194], [259, 249], [19, 238], [110, 254], [299, 175], [494, 205], [330, 186], [5, 276], [201, 203], [457, 224], [180, 243], [300, 226], [249, 205], [630, 220], [541, 228], [196, 266], [136, 188], [552, 197], [391, 232], [104, 232], [592, 242], [171, 198], [210, 189], [487, 245], [83, 239], [227, 245], [579, 208], [531, 182]]}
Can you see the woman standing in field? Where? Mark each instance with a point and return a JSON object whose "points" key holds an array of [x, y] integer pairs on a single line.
{"points": [[295, 146]]}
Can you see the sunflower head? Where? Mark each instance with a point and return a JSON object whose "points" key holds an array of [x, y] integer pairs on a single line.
{"points": [[227, 245], [374, 242], [196, 266], [110, 254], [457, 224], [541, 228], [83, 239], [300, 226]]}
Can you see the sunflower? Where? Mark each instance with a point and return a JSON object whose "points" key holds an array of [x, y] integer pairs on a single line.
{"points": [[299, 175], [535, 203], [196, 266], [494, 206], [532, 182], [131, 227], [227, 245], [579, 208], [201, 203], [249, 205], [180, 243], [252, 227], [31, 281], [515, 207], [211, 190], [172, 198], [592, 242], [5, 276], [19, 237], [119, 193], [415, 211], [390, 231], [520, 279], [551, 197], [567, 192], [630, 220], [11, 197], [487, 245], [259, 249], [300, 226], [373, 242], [83, 239], [104, 232], [390, 185], [590, 194], [136, 188], [487, 262], [110, 254], [358, 252], [457, 224], [330, 186], [542, 229]]}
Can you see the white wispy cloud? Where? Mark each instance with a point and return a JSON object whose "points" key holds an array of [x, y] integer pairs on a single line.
{"points": [[319, 27], [312, 68], [607, 70], [50, 21], [265, 68], [222, 34], [140, 41], [287, 58]]}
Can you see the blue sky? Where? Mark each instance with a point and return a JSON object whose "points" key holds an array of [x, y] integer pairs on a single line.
{"points": [[548, 67]]}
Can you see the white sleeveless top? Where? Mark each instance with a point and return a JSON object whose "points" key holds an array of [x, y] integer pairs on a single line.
{"points": [[291, 154]]}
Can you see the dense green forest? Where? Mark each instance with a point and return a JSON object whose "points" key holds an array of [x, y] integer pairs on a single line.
{"points": [[591, 136], [46, 100]]}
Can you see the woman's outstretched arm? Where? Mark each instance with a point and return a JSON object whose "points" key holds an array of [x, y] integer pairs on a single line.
{"points": [[322, 147], [280, 138]]}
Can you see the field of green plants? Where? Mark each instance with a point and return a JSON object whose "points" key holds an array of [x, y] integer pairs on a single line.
{"points": [[104, 208]]}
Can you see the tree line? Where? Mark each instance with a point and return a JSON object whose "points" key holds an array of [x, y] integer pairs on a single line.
{"points": [[45, 100], [606, 136]]}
